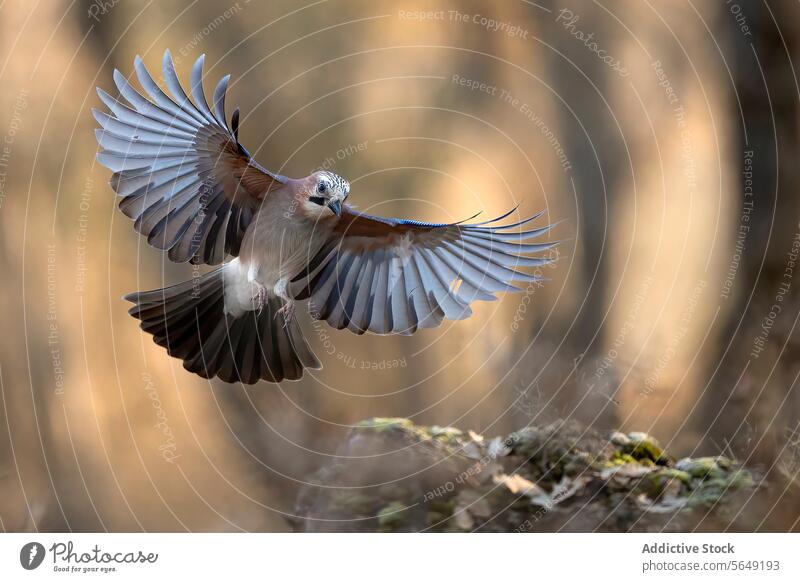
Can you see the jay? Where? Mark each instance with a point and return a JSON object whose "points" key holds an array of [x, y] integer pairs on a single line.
{"points": [[197, 194]]}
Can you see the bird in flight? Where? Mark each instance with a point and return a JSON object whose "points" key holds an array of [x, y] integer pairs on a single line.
{"points": [[196, 193]]}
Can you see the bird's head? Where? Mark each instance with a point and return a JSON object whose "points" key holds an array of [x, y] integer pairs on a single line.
{"points": [[325, 192]]}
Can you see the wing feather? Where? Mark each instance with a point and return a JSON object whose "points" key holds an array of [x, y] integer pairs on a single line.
{"points": [[181, 174], [395, 276], [379, 321]]}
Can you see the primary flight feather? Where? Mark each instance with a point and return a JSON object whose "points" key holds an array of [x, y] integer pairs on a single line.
{"points": [[195, 192]]}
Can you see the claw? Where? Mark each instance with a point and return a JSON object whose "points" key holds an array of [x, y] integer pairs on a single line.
{"points": [[288, 307], [260, 298], [287, 311]]}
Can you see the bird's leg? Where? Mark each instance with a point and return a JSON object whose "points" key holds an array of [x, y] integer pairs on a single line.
{"points": [[260, 296], [288, 312], [288, 307]]}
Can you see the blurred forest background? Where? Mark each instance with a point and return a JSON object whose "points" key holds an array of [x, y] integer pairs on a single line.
{"points": [[663, 135]]}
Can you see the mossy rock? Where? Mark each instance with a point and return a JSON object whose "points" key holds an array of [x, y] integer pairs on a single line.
{"points": [[392, 517], [381, 424], [397, 476], [644, 448]]}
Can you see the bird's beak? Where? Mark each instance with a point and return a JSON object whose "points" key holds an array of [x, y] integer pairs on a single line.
{"points": [[336, 207]]}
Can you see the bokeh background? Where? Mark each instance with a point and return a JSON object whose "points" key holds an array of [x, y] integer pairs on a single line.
{"points": [[663, 135]]}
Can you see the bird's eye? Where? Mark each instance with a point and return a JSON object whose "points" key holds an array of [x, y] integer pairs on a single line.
{"points": [[322, 187], [317, 200]]}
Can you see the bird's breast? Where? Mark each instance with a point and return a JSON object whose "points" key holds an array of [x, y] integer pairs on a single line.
{"points": [[280, 243]]}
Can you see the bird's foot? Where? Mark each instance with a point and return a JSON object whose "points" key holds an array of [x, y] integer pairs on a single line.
{"points": [[287, 311], [260, 298]]}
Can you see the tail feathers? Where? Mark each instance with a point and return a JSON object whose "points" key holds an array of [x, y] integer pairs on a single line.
{"points": [[189, 320]]}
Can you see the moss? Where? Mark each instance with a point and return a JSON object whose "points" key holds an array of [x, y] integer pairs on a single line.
{"points": [[351, 503], [447, 434], [443, 506], [392, 491], [671, 473], [643, 447], [705, 467], [578, 463], [435, 519], [630, 473], [526, 449], [741, 479], [392, 517], [622, 458], [713, 482], [656, 483], [439, 513], [708, 492], [380, 424]]}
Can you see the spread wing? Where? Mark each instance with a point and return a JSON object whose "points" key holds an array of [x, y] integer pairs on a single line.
{"points": [[394, 276], [183, 176]]}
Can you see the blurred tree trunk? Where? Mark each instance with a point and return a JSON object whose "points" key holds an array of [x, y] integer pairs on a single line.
{"points": [[754, 401]]}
